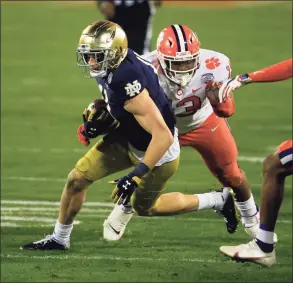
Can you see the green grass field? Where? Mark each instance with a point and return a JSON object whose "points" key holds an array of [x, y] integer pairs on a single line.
{"points": [[43, 96]]}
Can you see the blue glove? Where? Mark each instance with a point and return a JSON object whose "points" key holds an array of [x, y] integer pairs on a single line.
{"points": [[124, 188]]}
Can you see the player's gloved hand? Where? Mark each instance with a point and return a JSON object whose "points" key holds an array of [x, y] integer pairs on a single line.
{"points": [[82, 138], [97, 120], [232, 84], [124, 188]]}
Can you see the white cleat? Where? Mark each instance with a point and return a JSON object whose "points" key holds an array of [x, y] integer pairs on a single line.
{"points": [[115, 224], [252, 228], [249, 252]]}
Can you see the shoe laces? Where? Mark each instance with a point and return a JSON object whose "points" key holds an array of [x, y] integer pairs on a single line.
{"points": [[45, 240]]}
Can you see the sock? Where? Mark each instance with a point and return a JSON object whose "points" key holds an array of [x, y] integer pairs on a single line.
{"points": [[247, 210], [126, 208], [62, 232], [265, 239], [209, 200]]}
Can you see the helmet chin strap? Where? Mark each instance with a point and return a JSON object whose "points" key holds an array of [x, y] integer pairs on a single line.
{"points": [[185, 79], [99, 74]]}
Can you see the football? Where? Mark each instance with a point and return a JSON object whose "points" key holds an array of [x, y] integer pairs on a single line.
{"points": [[98, 120]]}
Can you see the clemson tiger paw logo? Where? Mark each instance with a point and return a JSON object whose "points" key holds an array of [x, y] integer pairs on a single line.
{"points": [[212, 63]]}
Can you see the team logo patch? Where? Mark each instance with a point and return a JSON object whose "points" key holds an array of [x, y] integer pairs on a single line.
{"points": [[110, 77], [212, 63], [207, 77], [133, 88], [179, 92]]}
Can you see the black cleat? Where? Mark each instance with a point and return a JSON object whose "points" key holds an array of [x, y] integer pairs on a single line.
{"points": [[229, 211], [47, 243]]}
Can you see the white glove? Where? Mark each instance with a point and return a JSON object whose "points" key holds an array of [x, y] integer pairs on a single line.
{"points": [[232, 84]]}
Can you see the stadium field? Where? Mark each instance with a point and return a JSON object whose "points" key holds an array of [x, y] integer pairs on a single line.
{"points": [[43, 96]]}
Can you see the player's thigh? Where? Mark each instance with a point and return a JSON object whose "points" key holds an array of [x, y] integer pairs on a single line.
{"points": [[106, 157], [216, 144], [152, 186]]}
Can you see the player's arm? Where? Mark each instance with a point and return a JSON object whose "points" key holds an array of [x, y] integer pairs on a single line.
{"points": [[149, 117], [274, 73], [223, 106]]}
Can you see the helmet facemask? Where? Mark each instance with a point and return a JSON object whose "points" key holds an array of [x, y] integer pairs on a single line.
{"points": [[95, 62], [180, 69]]}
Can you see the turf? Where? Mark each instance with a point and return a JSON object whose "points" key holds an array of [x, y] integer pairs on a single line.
{"points": [[43, 96]]}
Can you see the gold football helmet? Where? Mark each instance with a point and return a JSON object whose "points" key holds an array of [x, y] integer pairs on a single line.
{"points": [[102, 47]]}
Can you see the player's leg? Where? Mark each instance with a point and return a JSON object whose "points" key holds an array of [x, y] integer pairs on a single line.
{"points": [[104, 158], [275, 169], [214, 141], [142, 200], [148, 199]]}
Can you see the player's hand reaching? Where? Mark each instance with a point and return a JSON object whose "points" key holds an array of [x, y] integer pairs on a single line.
{"points": [[232, 84], [124, 189]]}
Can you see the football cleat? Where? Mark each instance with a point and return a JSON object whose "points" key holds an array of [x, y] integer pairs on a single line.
{"points": [[250, 252], [115, 224], [228, 211], [48, 243]]}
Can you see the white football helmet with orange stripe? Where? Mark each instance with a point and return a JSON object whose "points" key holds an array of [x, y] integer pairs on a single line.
{"points": [[178, 52]]}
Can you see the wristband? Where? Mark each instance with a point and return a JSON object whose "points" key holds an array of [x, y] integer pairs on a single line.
{"points": [[140, 170]]}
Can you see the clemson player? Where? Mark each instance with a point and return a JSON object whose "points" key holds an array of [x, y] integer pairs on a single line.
{"points": [[276, 167], [184, 71]]}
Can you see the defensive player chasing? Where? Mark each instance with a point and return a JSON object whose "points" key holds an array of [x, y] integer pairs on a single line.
{"points": [[146, 137], [276, 167], [184, 69]]}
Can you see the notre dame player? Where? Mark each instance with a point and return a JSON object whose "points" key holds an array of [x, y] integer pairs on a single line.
{"points": [[146, 137]]}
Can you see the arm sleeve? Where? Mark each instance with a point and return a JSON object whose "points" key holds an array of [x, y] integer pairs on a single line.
{"points": [[277, 72], [130, 83]]}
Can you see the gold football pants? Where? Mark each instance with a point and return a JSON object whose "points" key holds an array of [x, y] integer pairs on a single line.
{"points": [[110, 155]]}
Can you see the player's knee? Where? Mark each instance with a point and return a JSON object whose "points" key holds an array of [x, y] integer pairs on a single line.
{"points": [[271, 165], [76, 182], [142, 208]]}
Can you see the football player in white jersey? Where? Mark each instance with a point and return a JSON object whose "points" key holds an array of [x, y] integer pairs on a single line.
{"points": [[184, 71]]}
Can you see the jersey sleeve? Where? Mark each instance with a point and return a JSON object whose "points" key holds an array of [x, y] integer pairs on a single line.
{"points": [[128, 83]]}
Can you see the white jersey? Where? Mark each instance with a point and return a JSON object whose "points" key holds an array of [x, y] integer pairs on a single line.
{"points": [[190, 104]]}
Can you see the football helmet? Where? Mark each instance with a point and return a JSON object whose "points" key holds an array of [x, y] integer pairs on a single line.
{"points": [[178, 53], [102, 47]]}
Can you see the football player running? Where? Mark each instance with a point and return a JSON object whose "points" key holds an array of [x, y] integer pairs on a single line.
{"points": [[143, 135], [185, 71], [276, 167]]}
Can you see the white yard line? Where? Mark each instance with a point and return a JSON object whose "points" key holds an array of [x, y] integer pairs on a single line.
{"points": [[48, 209], [26, 225], [86, 212], [52, 203], [79, 257], [33, 219]]}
